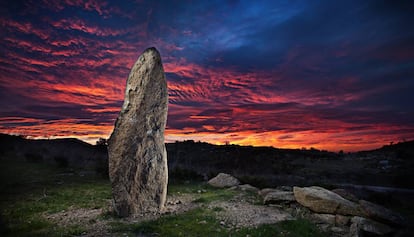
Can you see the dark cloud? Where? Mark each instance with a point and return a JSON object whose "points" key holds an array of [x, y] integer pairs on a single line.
{"points": [[336, 75]]}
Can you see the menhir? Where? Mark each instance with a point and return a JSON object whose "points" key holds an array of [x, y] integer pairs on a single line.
{"points": [[137, 155]]}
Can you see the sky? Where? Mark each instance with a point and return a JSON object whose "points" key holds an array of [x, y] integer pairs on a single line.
{"points": [[333, 75]]}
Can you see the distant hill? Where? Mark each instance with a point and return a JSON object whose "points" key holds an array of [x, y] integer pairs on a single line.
{"points": [[391, 165], [68, 152], [267, 166], [403, 149]]}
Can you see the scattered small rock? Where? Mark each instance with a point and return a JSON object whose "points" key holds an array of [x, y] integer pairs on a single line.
{"points": [[248, 188], [342, 220], [285, 188], [337, 229], [277, 197], [265, 191], [324, 218], [381, 214], [360, 225]]}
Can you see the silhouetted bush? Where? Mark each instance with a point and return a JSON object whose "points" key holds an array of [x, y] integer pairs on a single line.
{"points": [[33, 157], [102, 167], [61, 161], [179, 174], [256, 181]]}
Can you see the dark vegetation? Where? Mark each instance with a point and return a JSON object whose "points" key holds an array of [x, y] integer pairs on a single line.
{"points": [[33, 192], [64, 153], [44, 190], [390, 166], [29, 191], [40, 176]]}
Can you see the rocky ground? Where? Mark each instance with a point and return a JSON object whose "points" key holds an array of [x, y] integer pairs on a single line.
{"points": [[239, 211], [250, 207], [386, 171]]}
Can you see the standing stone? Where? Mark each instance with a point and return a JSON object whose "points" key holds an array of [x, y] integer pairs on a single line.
{"points": [[137, 155]]}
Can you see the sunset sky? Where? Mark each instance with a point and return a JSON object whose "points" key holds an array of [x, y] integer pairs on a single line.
{"points": [[335, 75]]}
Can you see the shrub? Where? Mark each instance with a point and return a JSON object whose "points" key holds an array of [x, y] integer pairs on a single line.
{"points": [[180, 174], [61, 161], [33, 157]]}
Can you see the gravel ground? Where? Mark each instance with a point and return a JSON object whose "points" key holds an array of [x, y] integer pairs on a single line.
{"points": [[235, 213], [243, 214]]}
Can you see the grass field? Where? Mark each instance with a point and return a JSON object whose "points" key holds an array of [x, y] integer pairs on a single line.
{"points": [[31, 193]]}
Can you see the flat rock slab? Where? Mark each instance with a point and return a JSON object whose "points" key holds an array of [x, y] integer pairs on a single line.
{"points": [[137, 155], [321, 200]]}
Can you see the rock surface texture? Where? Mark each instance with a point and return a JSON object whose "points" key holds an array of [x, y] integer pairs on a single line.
{"points": [[137, 155], [321, 200], [380, 213], [277, 197], [223, 180]]}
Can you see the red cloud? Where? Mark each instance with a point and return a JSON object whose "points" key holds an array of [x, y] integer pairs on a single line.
{"points": [[56, 128], [90, 5], [25, 27], [81, 25], [88, 70]]}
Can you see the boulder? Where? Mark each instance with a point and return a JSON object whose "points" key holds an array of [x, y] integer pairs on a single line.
{"points": [[341, 231], [285, 188], [137, 155], [277, 197], [342, 220], [381, 214], [322, 200], [361, 225], [265, 191], [248, 188], [323, 218], [223, 180], [346, 194]]}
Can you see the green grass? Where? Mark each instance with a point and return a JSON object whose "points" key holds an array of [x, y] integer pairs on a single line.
{"points": [[185, 187], [197, 222], [295, 228], [202, 222], [204, 193], [31, 190]]}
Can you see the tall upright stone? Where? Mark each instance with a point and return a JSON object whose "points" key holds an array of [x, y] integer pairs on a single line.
{"points": [[137, 155]]}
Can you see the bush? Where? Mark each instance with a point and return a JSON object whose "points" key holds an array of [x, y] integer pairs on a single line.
{"points": [[61, 161], [180, 174], [102, 168], [256, 181], [33, 157]]}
